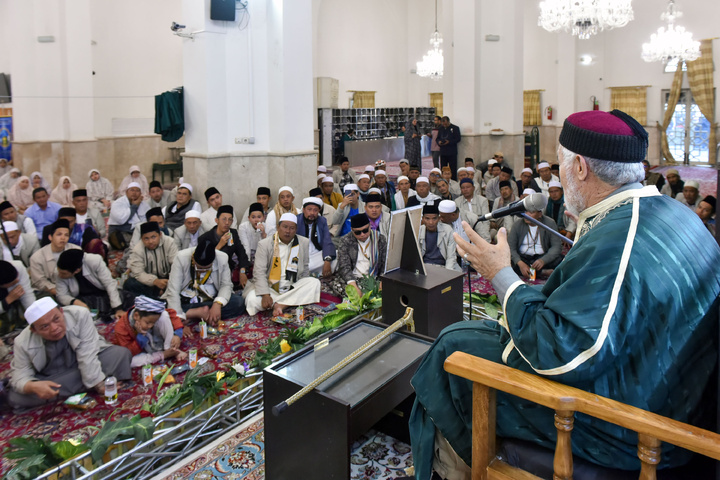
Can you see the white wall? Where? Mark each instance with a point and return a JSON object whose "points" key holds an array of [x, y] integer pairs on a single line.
{"points": [[616, 57], [135, 57]]}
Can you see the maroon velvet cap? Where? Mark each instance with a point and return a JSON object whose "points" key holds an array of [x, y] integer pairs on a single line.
{"points": [[613, 136]]}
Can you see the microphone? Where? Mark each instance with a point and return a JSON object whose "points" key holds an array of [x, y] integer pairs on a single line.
{"points": [[532, 203]]}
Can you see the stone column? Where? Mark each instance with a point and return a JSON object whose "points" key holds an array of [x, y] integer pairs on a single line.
{"points": [[51, 64], [487, 79], [249, 81]]}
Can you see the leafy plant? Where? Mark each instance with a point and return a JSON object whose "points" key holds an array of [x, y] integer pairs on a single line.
{"points": [[354, 305], [38, 454], [490, 307]]}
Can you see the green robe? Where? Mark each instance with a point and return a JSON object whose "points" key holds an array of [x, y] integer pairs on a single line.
{"points": [[630, 314]]}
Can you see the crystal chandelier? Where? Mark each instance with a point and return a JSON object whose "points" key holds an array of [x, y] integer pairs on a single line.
{"points": [[584, 18], [672, 43], [432, 63]]}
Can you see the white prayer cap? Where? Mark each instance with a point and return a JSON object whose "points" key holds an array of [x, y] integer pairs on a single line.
{"points": [[133, 185], [404, 160], [10, 226], [286, 189], [364, 176], [492, 161], [470, 169], [313, 200], [436, 170], [461, 169], [542, 165], [350, 187], [402, 177], [320, 176], [370, 168], [528, 191], [554, 184], [380, 172], [134, 168], [192, 214], [527, 170], [375, 190], [692, 183], [447, 206], [421, 180], [322, 168], [38, 309], [288, 217], [186, 185], [327, 180]]}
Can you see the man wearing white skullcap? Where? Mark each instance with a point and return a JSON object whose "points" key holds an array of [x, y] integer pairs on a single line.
{"points": [[351, 205], [175, 212], [313, 226], [363, 185], [60, 354], [385, 188], [690, 196], [186, 235], [16, 245], [526, 181], [422, 193], [286, 197], [329, 195], [404, 194], [545, 177], [451, 215], [281, 276], [126, 212]]}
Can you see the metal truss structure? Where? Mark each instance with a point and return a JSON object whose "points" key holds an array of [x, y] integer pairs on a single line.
{"points": [[175, 438]]}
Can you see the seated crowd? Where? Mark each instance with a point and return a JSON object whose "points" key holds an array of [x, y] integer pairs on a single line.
{"points": [[182, 264]]}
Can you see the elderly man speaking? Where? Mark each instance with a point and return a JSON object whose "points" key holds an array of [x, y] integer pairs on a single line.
{"points": [[626, 315]]}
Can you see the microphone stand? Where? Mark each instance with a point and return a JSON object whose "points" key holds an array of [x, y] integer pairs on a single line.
{"points": [[548, 229]]}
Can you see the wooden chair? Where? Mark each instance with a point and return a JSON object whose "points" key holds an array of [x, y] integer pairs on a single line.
{"points": [[488, 376]]}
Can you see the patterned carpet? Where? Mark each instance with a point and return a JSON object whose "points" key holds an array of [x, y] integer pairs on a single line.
{"points": [[239, 342], [241, 455]]}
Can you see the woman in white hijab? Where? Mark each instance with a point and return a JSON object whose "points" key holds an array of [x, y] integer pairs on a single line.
{"points": [[20, 195], [8, 180], [62, 194], [135, 176], [100, 191], [37, 180]]}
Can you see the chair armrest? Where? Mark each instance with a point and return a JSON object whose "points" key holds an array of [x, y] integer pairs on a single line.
{"points": [[557, 396]]}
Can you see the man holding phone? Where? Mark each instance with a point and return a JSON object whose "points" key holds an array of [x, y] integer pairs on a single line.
{"points": [[350, 206]]}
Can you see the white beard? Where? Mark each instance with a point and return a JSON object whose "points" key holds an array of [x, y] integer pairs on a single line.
{"points": [[574, 201]]}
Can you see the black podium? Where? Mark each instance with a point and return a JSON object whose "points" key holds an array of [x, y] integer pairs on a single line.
{"points": [[436, 297], [312, 438], [433, 291]]}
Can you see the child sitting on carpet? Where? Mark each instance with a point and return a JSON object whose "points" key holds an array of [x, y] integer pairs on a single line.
{"points": [[150, 332]]}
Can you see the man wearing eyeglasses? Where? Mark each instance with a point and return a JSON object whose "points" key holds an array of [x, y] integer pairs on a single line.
{"points": [[60, 354], [361, 253]]}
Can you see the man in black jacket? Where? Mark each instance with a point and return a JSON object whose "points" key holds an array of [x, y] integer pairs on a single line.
{"points": [[448, 138], [228, 241]]}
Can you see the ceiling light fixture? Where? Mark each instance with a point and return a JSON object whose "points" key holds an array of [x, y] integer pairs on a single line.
{"points": [[431, 66], [584, 18], [671, 43]]}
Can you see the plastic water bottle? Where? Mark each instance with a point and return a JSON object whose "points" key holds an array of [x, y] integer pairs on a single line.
{"points": [[111, 394]]}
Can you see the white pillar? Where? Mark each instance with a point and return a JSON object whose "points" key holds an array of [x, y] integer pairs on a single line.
{"points": [[50, 61], [487, 78], [249, 79]]}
